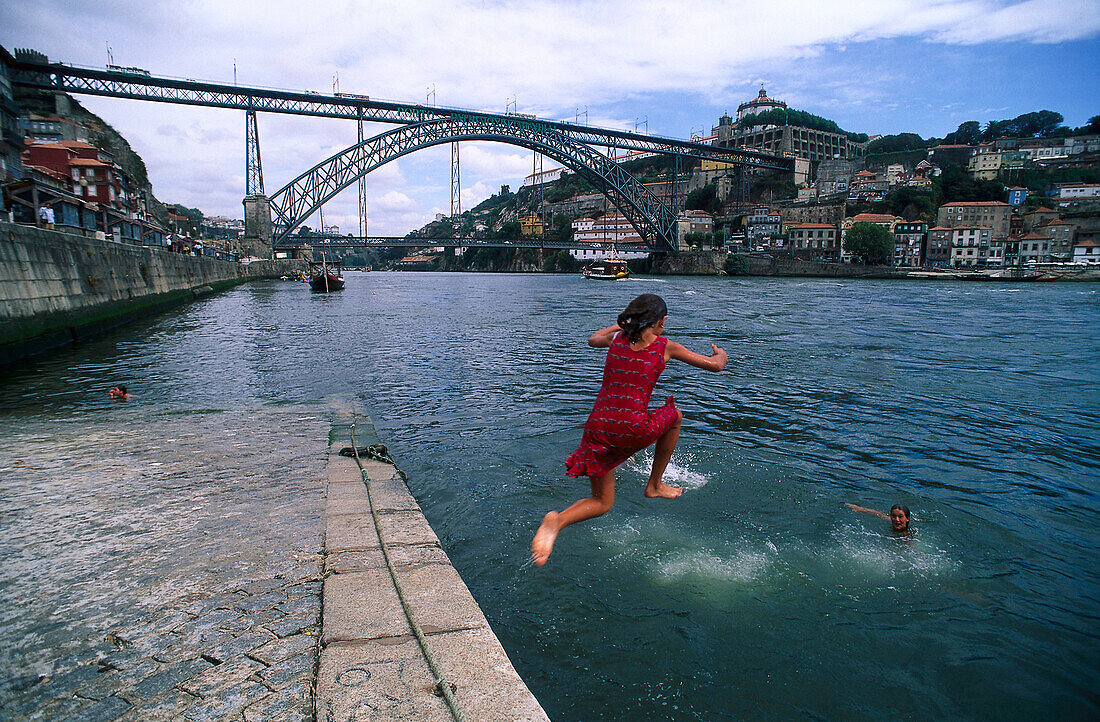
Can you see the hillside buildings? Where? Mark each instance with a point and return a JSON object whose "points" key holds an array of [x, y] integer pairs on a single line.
{"points": [[789, 140]]}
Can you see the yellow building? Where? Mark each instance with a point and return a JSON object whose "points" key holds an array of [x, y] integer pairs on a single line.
{"points": [[530, 226]]}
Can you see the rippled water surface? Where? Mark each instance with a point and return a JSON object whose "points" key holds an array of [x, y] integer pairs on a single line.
{"points": [[758, 594]]}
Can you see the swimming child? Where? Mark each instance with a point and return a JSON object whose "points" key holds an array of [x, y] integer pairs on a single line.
{"points": [[621, 423], [118, 393], [898, 517]]}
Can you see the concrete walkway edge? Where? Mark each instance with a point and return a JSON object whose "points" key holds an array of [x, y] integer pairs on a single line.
{"points": [[371, 665]]}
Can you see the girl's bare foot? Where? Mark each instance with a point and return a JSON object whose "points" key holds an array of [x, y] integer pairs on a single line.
{"points": [[663, 491], [543, 542]]}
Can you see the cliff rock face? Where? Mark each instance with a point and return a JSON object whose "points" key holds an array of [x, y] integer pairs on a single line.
{"points": [[100, 134], [691, 263]]}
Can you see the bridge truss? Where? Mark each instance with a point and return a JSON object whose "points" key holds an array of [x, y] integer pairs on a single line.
{"points": [[571, 144], [296, 201]]}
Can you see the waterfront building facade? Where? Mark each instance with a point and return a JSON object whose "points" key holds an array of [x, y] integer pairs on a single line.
{"points": [[693, 221], [910, 238], [938, 250], [815, 241], [1061, 235], [970, 246], [993, 214], [1034, 248], [1087, 253]]}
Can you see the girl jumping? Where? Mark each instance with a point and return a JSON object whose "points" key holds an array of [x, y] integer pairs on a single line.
{"points": [[621, 423]]}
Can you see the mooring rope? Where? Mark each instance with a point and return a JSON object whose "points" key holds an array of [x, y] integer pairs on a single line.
{"points": [[442, 686]]}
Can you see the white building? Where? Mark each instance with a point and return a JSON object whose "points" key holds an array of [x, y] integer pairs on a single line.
{"points": [[1077, 190], [612, 228], [969, 246], [1087, 253]]}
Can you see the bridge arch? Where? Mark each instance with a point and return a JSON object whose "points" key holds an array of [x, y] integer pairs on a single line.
{"points": [[297, 200]]}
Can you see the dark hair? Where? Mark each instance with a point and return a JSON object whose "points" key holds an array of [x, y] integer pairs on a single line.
{"points": [[901, 508], [640, 314], [121, 389]]}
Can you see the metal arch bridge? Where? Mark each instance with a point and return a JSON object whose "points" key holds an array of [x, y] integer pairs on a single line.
{"points": [[511, 128], [296, 201], [350, 242]]}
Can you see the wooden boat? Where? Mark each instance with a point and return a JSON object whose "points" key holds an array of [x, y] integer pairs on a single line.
{"points": [[324, 277], [606, 270]]}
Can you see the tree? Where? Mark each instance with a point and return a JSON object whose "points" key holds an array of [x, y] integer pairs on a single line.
{"points": [[968, 133], [896, 143], [869, 243], [909, 202], [703, 199]]}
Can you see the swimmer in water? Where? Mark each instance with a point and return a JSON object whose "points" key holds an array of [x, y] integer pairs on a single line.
{"points": [[621, 422], [118, 393], [898, 516]]}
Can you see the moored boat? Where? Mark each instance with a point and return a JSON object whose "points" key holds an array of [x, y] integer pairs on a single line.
{"points": [[324, 277], [606, 270]]}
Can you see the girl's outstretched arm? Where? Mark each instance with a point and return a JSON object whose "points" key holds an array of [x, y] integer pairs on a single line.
{"points": [[603, 337], [715, 362], [865, 510]]}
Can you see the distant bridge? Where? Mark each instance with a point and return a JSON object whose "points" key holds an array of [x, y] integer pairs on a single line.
{"points": [[319, 242], [422, 126]]}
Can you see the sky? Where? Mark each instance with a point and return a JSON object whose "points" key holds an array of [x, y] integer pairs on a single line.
{"points": [[666, 68]]}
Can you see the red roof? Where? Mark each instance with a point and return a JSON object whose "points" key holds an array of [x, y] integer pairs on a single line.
{"points": [[814, 225], [1086, 244], [873, 218], [1033, 236], [88, 161], [1055, 222], [1041, 209]]}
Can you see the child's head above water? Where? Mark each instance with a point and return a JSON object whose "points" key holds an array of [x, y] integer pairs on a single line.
{"points": [[641, 313], [899, 517]]}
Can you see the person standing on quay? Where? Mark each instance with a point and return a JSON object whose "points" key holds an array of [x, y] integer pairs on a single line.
{"points": [[621, 423]]}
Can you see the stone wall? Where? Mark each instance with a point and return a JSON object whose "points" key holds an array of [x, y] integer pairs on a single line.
{"points": [[56, 287]]}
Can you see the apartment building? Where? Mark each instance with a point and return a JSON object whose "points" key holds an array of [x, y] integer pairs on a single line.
{"points": [[992, 214]]}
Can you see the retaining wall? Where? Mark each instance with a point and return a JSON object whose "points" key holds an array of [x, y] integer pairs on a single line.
{"points": [[56, 287]]}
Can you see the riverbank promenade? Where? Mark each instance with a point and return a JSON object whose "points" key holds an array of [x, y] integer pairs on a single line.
{"points": [[224, 565]]}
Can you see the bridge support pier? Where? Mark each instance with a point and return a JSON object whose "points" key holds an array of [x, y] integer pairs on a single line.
{"points": [[257, 227]]}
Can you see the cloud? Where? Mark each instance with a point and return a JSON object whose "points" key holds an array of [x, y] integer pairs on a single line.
{"points": [[676, 65]]}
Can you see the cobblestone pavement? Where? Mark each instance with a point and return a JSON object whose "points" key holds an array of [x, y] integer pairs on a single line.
{"points": [[161, 565]]}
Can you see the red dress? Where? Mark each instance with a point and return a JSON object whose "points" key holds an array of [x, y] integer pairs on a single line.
{"points": [[621, 423]]}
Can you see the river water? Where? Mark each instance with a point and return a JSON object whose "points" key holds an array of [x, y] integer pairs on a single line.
{"points": [[758, 594]]}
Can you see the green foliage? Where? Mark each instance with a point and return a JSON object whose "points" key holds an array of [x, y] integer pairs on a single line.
{"points": [[737, 266], [194, 215], [1037, 180], [908, 158], [766, 190], [896, 143], [800, 118], [511, 229], [869, 243], [562, 262], [569, 185], [909, 202], [704, 199], [955, 185], [1041, 124], [968, 133]]}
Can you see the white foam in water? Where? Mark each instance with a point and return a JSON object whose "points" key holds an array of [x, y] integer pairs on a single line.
{"points": [[741, 566], [675, 474], [890, 556]]}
